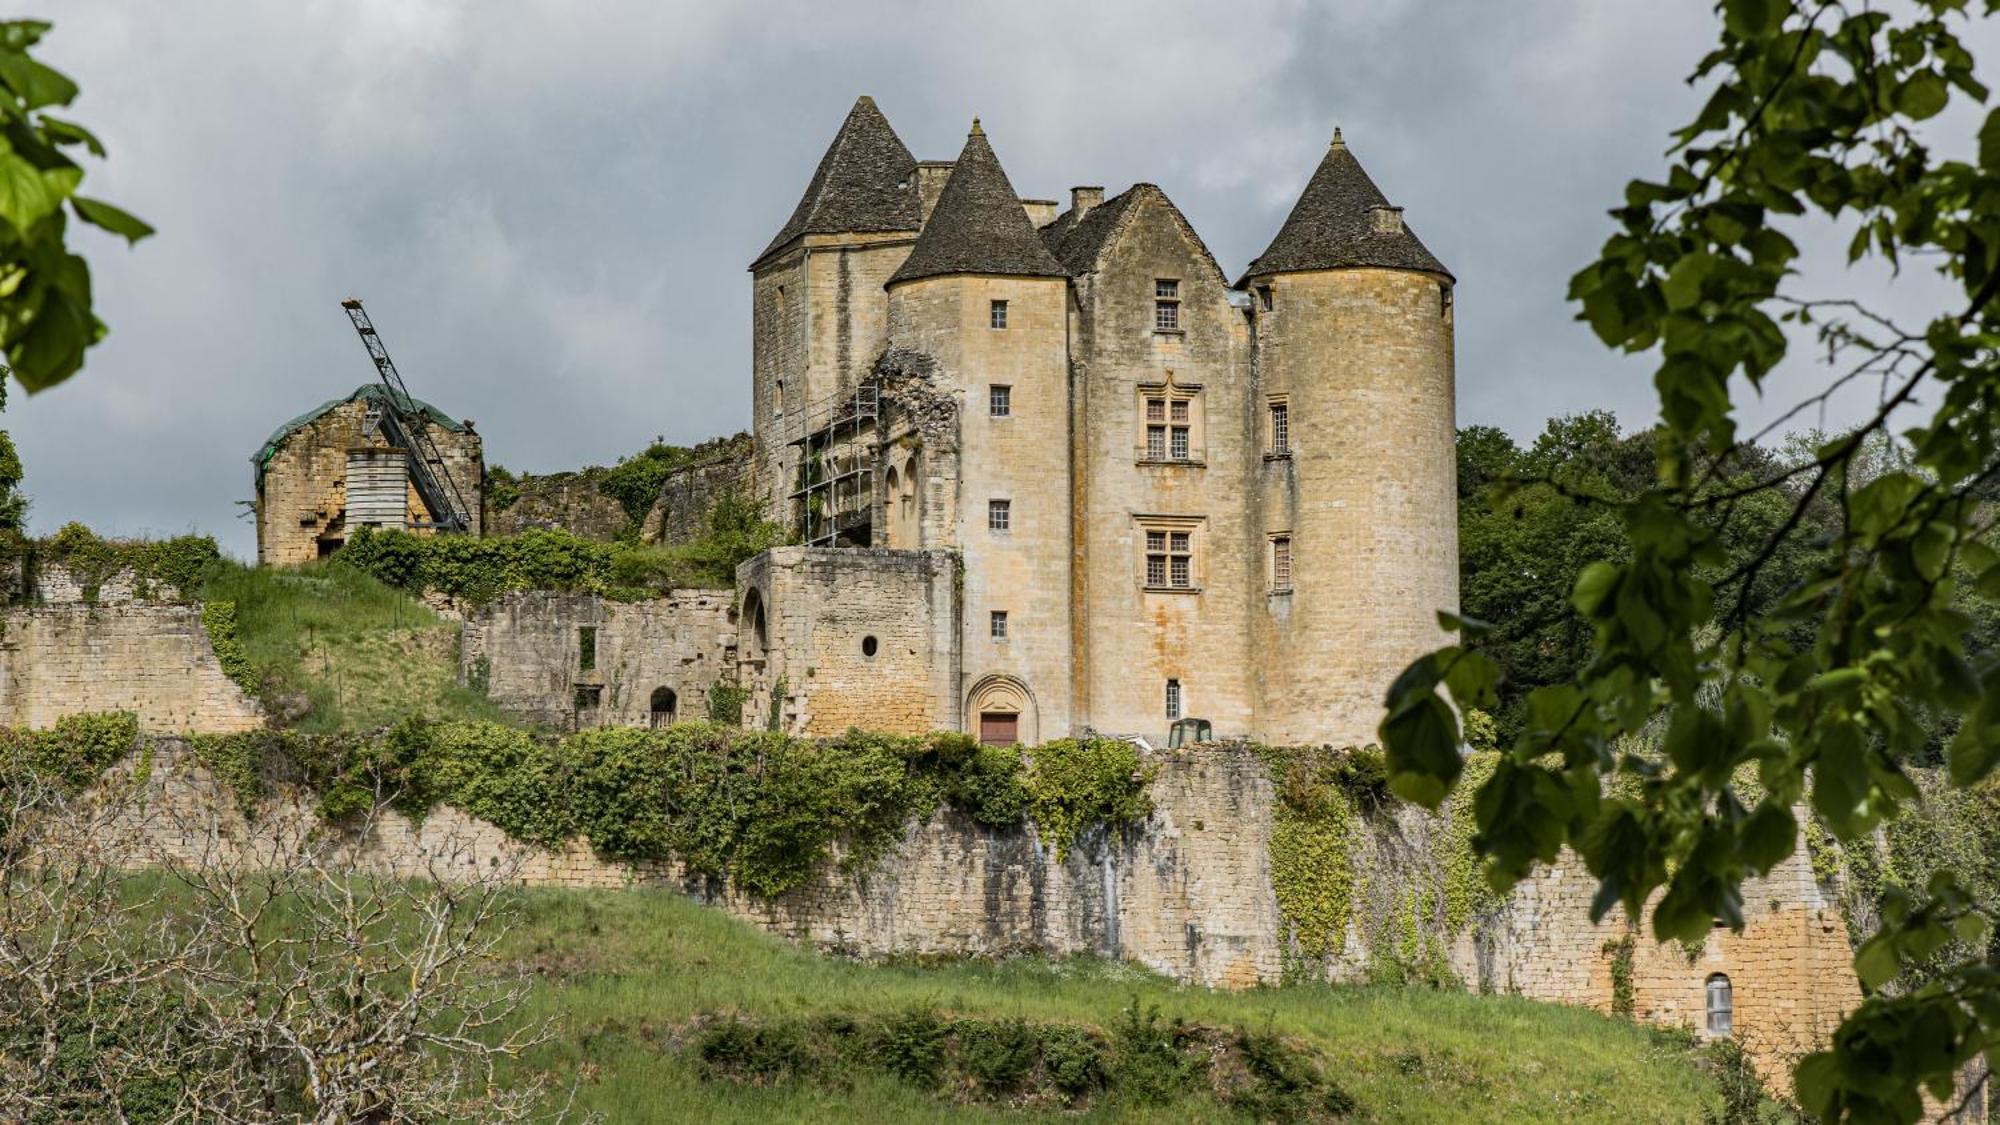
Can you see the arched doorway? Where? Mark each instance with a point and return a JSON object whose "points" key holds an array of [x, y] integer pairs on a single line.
{"points": [[663, 709], [1000, 711], [760, 634]]}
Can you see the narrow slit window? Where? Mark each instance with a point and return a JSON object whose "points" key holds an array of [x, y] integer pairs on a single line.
{"points": [[999, 515], [1281, 429], [1173, 699], [586, 648], [1281, 563], [998, 313]]}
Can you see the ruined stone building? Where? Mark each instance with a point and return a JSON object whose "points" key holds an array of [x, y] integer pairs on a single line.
{"points": [[331, 470], [1085, 478]]}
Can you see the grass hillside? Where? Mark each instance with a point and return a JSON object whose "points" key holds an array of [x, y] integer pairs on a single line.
{"points": [[634, 976], [330, 648]]}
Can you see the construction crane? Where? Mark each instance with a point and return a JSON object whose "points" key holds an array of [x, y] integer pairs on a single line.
{"points": [[402, 423]]}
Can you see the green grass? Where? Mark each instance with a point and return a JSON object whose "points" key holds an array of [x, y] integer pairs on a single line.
{"points": [[362, 654], [625, 971]]}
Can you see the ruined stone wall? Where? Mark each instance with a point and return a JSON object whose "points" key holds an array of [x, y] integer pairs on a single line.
{"points": [[1187, 893], [851, 638], [54, 584], [688, 495], [1362, 359], [153, 660], [526, 650], [560, 501], [302, 499], [1133, 636]]}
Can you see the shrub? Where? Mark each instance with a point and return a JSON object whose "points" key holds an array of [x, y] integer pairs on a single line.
{"points": [[911, 1046]]}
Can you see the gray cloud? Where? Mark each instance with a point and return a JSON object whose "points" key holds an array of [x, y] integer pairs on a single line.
{"points": [[549, 206]]}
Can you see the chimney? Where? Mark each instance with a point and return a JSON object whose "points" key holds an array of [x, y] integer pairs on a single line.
{"points": [[1388, 220], [1082, 199], [1041, 212], [931, 175]]}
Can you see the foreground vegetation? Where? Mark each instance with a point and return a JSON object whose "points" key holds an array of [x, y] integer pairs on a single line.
{"points": [[640, 979]]}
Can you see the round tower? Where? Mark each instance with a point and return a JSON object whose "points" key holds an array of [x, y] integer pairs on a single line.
{"points": [[985, 299], [1352, 342]]}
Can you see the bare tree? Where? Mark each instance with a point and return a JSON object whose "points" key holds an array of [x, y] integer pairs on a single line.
{"points": [[260, 977]]}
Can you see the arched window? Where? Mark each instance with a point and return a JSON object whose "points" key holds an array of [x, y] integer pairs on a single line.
{"points": [[663, 707], [753, 611], [1721, 1005]]}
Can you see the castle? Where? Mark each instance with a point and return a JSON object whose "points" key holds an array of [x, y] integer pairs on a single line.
{"points": [[1170, 494]]}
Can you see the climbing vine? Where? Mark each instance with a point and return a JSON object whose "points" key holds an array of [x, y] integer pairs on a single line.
{"points": [[1620, 952], [1467, 894], [219, 619], [74, 752], [1320, 794], [1072, 784]]}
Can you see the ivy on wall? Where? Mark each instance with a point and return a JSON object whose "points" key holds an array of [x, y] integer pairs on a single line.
{"points": [[761, 810], [74, 752], [161, 569], [218, 618], [1321, 792]]}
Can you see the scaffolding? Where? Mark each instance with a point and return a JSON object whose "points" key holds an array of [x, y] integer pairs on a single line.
{"points": [[834, 487]]}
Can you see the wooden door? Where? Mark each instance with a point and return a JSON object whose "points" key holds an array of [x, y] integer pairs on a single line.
{"points": [[999, 728]]}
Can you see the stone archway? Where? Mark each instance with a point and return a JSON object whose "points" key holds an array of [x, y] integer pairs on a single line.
{"points": [[1000, 711]]}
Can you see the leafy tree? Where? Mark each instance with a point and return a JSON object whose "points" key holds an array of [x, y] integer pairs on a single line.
{"points": [[13, 505], [45, 316], [1833, 683]]}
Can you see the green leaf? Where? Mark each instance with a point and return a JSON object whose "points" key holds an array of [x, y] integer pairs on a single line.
{"points": [[37, 85], [1768, 836], [25, 198], [1593, 585], [1682, 287], [1877, 963], [1422, 750], [1989, 142], [120, 222], [69, 132], [1923, 95], [1750, 19]]}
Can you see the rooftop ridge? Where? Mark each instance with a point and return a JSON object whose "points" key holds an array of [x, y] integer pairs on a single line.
{"points": [[866, 182]]}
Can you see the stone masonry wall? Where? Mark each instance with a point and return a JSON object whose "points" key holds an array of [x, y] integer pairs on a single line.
{"points": [[565, 501], [680, 513], [1188, 893], [153, 660], [527, 649], [821, 608]]}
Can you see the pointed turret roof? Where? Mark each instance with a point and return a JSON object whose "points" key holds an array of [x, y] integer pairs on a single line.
{"points": [[867, 181], [1334, 226], [978, 225]]}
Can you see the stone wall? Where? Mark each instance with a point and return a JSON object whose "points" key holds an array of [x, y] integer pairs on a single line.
{"points": [[153, 660], [688, 495], [852, 637], [562, 501], [1188, 893], [53, 584], [527, 650]]}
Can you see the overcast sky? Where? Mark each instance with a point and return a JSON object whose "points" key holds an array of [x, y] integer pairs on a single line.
{"points": [[549, 207]]}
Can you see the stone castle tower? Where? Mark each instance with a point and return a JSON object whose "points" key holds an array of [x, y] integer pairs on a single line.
{"points": [[1163, 494]]}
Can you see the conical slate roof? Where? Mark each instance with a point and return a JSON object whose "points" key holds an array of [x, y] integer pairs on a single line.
{"points": [[867, 181], [978, 225], [1333, 226]]}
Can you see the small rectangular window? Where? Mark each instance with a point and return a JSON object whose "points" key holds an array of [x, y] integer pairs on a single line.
{"points": [[999, 401], [999, 514], [1281, 429], [999, 314], [1264, 297], [1179, 449], [1173, 699], [1156, 570], [1166, 305], [1156, 410], [998, 624], [1281, 563], [589, 696], [1180, 410], [1156, 443], [586, 648]]}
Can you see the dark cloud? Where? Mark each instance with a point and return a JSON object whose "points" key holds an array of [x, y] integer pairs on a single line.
{"points": [[549, 206]]}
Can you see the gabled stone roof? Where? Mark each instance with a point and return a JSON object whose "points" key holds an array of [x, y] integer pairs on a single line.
{"points": [[978, 225], [1079, 243], [1333, 226], [866, 182]]}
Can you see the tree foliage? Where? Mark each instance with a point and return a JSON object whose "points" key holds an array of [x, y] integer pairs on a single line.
{"points": [[1833, 685], [46, 321]]}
